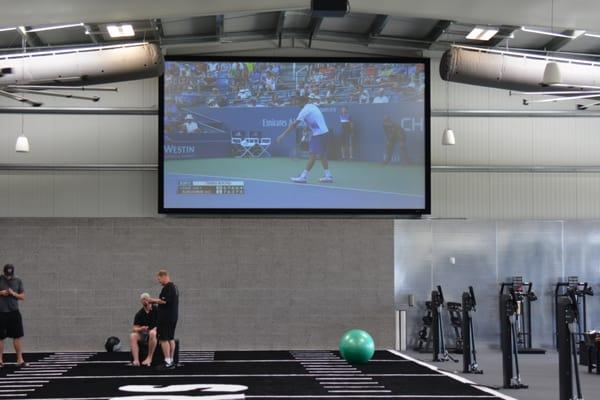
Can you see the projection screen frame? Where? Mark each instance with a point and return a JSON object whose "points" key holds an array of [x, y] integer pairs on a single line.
{"points": [[321, 212]]}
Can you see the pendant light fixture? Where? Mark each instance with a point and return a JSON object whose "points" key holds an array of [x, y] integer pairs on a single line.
{"points": [[22, 145], [448, 138]]}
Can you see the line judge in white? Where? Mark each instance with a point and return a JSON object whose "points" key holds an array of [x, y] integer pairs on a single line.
{"points": [[317, 147]]}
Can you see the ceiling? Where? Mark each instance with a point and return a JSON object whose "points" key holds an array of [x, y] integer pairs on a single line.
{"points": [[373, 27]]}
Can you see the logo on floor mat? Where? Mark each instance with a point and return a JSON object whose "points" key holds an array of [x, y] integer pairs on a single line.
{"points": [[158, 392]]}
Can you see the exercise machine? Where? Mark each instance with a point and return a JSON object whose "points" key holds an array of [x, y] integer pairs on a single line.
{"points": [[440, 353], [525, 296], [456, 323], [468, 337], [567, 317], [425, 339], [580, 290], [509, 311]]}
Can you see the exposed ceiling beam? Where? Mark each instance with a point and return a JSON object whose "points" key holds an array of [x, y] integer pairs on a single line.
{"points": [[31, 38], [557, 43], [280, 25], [437, 31], [313, 28], [219, 25], [320, 44], [354, 39], [157, 29], [378, 24], [92, 30], [505, 32]]}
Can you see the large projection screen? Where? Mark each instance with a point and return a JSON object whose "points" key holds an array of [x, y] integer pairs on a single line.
{"points": [[288, 135]]}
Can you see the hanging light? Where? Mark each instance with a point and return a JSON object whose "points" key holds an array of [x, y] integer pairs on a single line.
{"points": [[448, 138], [552, 75], [22, 145]]}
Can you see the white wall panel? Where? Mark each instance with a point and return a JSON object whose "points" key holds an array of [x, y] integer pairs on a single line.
{"points": [[511, 195], [76, 194], [468, 97], [554, 141], [439, 88], [586, 133], [68, 138], [150, 139], [120, 139], [39, 129], [121, 194], [439, 194], [588, 196], [150, 193], [468, 193], [472, 141], [11, 127], [554, 195], [504, 100], [511, 141], [75, 138], [31, 194], [439, 153], [4, 194]]}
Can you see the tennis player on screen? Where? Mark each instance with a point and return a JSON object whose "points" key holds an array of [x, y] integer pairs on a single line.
{"points": [[317, 147]]}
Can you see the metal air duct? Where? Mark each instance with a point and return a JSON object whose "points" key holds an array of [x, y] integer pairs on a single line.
{"points": [[517, 71]]}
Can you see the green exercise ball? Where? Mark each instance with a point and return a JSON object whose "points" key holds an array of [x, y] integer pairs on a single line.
{"points": [[357, 346]]}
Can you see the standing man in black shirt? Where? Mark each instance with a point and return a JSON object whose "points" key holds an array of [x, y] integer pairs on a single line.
{"points": [[168, 310], [11, 324], [144, 330]]}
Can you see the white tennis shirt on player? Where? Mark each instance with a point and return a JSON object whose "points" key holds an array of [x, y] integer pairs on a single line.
{"points": [[313, 118]]}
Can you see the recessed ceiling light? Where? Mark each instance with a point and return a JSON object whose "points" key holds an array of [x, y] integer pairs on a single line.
{"points": [[483, 33], [117, 31]]}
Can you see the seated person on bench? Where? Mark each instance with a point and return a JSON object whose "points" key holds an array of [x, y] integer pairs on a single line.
{"points": [[144, 331]]}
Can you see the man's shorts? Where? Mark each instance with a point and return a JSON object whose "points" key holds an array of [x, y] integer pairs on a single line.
{"points": [[166, 330], [11, 325], [318, 144], [143, 337]]}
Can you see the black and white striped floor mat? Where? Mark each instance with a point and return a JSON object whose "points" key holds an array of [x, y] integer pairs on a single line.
{"points": [[223, 375]]}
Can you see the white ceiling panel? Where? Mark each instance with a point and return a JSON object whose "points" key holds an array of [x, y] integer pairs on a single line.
{"points": [[415, 28], [58, 37], [10, 39], [296, 20], [353, 23], [250, 22], [189, 26]]}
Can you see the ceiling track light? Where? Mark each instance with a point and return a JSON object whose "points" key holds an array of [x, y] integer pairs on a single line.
{"points": [[53, 27], [575, 34]]}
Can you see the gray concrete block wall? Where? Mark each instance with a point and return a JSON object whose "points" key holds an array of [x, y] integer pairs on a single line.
{"points": [[246, 283]]}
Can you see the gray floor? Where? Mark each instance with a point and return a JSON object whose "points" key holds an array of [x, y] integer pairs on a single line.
{"points": [[540, 372]]}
